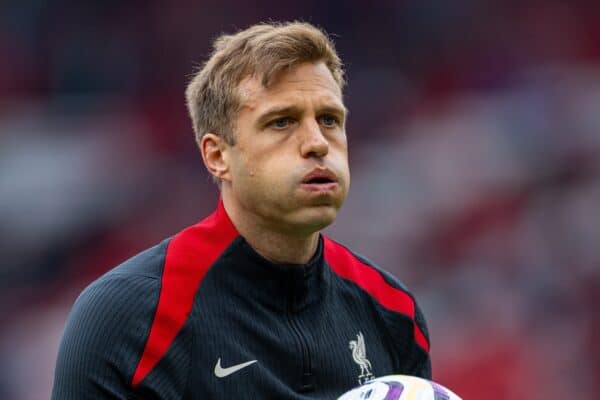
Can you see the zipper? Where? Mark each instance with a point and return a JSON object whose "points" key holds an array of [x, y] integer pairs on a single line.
{"points": [[307, 383]]}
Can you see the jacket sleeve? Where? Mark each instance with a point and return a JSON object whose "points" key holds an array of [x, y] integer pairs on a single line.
{"points": [[422, 366], [104, 338], [415, 360]]}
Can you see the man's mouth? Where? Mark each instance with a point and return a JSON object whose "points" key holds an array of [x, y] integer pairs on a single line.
{"points": [[320, 181], [320, 177]]}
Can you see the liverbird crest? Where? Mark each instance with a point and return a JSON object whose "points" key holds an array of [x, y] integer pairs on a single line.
{"points": [[359, 355]]}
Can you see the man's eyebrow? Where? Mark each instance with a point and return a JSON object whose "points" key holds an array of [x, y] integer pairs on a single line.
{"points": [[335, 109], [278, 110], [294, 110]]}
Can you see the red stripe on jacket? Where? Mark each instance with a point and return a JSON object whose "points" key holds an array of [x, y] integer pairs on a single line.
{"points": [[348, 266], [189, 256]]}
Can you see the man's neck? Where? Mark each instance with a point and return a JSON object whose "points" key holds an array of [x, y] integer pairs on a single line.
{"points": [[281, 249], [273, 245]]}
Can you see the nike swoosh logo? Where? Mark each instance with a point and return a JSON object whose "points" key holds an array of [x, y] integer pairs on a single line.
{"points": [[221, 372]]}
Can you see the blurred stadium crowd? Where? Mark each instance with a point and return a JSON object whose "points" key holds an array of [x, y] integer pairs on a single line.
{"points": [[475, 150]]}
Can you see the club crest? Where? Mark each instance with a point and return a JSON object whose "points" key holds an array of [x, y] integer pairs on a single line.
{"points": [[359, 355]]}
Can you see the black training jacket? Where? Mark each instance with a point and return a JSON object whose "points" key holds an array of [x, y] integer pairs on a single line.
{"points": [[203, 316]]}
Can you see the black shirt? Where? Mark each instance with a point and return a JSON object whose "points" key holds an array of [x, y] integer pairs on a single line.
{"points": [[203, 316]]}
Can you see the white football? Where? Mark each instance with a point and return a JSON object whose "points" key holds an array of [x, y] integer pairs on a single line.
{"points": [[400, 387]]}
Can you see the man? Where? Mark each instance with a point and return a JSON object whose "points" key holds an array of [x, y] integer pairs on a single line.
{"points": [[252, 302]]}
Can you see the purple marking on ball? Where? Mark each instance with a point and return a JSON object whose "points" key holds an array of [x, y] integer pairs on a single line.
{"points": [[439, 393], [395, 391]]}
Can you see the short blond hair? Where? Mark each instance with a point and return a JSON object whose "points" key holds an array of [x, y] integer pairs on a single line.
{"points": [[262, 50]]}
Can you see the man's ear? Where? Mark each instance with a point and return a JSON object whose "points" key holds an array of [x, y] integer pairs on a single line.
{"points": [[214, 153]]}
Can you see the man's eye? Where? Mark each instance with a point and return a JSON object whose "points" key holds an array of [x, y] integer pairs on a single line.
{"points": [[281, 123], [329, 120]]}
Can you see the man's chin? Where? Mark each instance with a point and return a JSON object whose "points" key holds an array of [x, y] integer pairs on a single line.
{"points": [[316, 218]]}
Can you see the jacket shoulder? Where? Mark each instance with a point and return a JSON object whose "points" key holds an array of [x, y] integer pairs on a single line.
{"points": [[381, 285], [107, 328], [148, 263], [364, 272]]}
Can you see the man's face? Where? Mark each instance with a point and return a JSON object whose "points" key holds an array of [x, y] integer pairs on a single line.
{"points": [[289, 164]]}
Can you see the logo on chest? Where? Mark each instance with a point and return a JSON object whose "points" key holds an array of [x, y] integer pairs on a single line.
{"points": [[359, 355], [221, 372]]}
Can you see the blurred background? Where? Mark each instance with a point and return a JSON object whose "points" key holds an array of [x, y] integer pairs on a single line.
{"points": [[475, 152]]}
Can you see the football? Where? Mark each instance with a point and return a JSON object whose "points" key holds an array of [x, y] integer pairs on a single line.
{"points": [[400, 387]]}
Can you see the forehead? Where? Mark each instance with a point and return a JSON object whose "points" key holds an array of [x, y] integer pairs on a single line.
{"points": [[306, 82]]}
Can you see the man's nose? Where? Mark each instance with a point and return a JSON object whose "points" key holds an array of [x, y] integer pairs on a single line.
{"points": [[313, 144]]}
